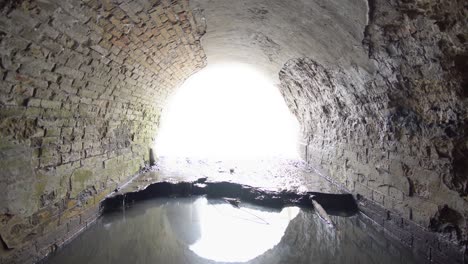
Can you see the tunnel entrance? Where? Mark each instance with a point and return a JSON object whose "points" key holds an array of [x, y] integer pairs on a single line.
{"points": [[377, 88], [227, 111]]}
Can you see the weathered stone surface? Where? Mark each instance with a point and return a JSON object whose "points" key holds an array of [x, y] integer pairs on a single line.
{"points": [[398, 135], [267, 33], [83, 83], [80, 99]]}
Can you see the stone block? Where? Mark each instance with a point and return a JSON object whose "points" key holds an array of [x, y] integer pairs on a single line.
{"points": [[101, 50], [363, 190], [69, 72], [80, 179], [66, 71], [23, 18], [49, 141], [378, 197], [93, 162], [398, 182], [77, 145], [48, 161], [71, 156], [66, 132], [53, 132], [64, 148], [34, 102], [111, 163], [51, 104], [396, 194]]}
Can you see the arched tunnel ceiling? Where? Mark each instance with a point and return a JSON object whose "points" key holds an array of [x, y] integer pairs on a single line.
{"points": [[83, 83], [266, 34]]}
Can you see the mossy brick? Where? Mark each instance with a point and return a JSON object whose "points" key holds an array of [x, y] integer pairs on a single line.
{"points": [[91, 143], [71, 156], [93, 162], [53, 132], [58, 113], [93, 152], [51, 104], [56, 99], [64, 148], [48, 151], [34, 102], [33, 112], [111, 163], [66, 132], [77, 146], [50, 122], [48, 161], [47, 141], [80, 179], [69, 72]]}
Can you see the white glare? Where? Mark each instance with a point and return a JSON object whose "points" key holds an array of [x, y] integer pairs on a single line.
{"points": [[227, 111], [238, 235]]}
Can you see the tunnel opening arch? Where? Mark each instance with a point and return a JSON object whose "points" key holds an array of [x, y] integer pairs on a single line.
{"points": [[228, 110], [74, 125]]}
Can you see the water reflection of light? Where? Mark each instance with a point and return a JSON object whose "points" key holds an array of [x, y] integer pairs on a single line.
{"points": [[230, 234]]}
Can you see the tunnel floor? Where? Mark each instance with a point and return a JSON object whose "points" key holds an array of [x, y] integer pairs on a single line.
{"points": [[182, 211], [272, 174], [201, 230]]}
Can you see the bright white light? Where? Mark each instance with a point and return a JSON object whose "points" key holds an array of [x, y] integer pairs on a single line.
{"points": [[227, 111], [238, 235]]}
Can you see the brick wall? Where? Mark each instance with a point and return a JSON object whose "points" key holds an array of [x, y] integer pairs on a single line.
{"points": [[398, 136], [83, 84]]}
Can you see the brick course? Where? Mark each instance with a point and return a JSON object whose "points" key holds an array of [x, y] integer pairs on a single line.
{"points": [[83, 86]]}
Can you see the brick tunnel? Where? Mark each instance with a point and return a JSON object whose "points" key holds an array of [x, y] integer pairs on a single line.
{"points": [[378, 89]]}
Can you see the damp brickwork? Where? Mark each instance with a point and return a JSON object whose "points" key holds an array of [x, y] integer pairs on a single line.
{"points": [[396, 136], [83, 85]]}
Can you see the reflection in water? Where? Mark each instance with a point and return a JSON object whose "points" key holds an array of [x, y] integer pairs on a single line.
{"points": [[237, 235], [201, 231]]}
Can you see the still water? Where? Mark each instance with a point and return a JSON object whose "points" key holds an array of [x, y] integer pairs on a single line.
{"points": [[198, 230]]}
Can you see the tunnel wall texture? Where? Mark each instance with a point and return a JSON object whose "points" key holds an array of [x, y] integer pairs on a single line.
{"points": [[397, 138], [83, 84]]}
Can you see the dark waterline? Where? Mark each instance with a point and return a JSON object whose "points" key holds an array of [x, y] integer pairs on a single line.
{"points": [[197, 230]]}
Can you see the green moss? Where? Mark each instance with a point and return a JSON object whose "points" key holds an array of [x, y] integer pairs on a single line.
{"points": [[40, 188], [6, 143], [82, 175], [12, 112], [80, 179], [33, 112]]}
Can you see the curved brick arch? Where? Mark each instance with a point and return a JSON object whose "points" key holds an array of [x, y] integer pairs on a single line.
{"points": [[83, 85], [379, 88]]}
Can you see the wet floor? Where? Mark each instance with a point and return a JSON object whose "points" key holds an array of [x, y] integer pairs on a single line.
{"points": [[197, 230], [272, 174]]}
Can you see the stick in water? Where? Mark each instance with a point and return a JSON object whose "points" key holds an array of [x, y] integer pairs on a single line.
{"points": [[321, 212]]}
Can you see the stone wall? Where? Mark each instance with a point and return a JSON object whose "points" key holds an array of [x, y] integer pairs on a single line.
{"points": [[397, 137], [354, 241], [81, 91]]}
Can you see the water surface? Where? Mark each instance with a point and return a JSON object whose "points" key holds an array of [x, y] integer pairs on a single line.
{"points": [[197, 230]]}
